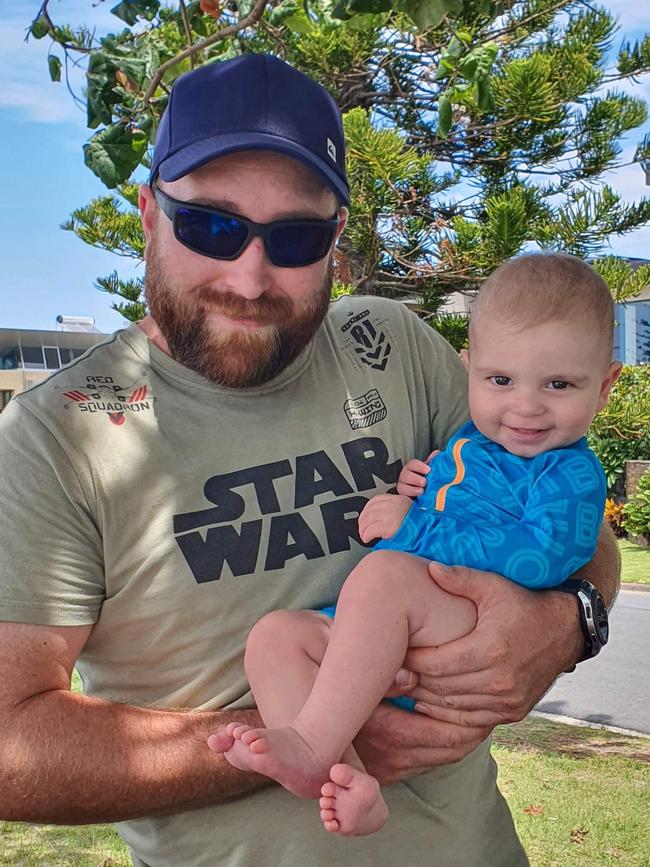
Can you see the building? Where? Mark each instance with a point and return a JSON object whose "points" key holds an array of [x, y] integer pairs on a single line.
{"points": [[632, 328], [28, 357]]}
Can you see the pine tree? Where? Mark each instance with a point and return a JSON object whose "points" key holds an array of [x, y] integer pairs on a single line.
{"points": [[475, 128]]}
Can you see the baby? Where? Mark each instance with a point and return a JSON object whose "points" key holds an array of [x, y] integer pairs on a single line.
{"points": [[516, 491]]}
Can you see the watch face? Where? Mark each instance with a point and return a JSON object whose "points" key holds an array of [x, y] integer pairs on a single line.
{"points": [[601, 621]]}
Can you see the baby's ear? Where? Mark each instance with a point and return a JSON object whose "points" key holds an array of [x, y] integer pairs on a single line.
{"points": [[464, 357], [613, 373]]}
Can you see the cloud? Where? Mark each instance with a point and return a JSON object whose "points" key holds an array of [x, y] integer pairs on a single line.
{"points": [[628, 181], [632, 15], [26, 87], [27, 92]]}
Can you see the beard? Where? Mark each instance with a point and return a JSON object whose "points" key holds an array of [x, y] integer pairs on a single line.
{"points": [[233, 358]]}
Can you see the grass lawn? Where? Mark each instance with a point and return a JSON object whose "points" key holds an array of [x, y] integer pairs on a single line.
{"points": [[580, 798], [636, 565]]}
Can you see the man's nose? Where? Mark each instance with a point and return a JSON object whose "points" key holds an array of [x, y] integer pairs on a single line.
{"points": [[250, 274]]}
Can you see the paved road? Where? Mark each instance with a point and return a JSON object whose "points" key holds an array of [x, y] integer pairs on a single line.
{"points": [[613, 688]]}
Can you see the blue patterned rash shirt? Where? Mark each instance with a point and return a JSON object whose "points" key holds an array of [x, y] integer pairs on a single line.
{"points": [[532, 520]]}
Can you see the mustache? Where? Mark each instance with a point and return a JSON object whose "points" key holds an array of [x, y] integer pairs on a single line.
{"points": [[265, 309]]}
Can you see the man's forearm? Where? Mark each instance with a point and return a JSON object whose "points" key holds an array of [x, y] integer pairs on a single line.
{"points": [[72, 759]]}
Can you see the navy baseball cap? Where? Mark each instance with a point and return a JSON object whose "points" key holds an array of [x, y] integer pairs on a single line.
{"points": [[253, 102]]}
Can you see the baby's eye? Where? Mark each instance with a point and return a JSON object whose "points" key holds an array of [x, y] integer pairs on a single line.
{"points": [[558, 384], [500, 380]]}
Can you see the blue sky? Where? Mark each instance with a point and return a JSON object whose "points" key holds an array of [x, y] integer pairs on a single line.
{"points": [[47, 271]]}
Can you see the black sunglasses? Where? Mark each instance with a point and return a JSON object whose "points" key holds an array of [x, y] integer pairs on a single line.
{"points": [[221, 235]]}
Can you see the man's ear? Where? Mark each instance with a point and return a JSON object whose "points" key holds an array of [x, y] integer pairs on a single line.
{"points": [[613, 373], [343, 214], [464, 357], [147, 206]]}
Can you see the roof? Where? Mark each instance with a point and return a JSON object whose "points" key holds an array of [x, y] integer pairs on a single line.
{"points": [[10, 337]]}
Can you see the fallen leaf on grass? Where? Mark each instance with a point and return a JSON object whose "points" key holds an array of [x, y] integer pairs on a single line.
{"points": [[578, 835], [534, 810]]}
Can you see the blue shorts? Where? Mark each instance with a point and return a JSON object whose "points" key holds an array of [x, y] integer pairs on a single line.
{"points": [[402, 701]]}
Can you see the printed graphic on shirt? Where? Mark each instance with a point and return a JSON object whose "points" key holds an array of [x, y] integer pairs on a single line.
{"points": [[366, 410], [367, 340], [225, 534], [101, 394]]}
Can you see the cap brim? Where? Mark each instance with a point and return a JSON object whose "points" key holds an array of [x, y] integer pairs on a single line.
{"points": [[197, 154]]}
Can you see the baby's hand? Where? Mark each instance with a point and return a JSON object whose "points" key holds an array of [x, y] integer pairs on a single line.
{"points": [[381, 518], [412, 479]]}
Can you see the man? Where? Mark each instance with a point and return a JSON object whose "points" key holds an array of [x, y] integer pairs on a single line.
{"points": [[207, 466]]}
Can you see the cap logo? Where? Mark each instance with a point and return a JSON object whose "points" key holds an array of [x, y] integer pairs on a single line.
{"points": [[331, 149]]}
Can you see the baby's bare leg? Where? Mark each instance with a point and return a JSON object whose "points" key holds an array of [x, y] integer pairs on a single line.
{"points": [[283, 652], [388, 603]]}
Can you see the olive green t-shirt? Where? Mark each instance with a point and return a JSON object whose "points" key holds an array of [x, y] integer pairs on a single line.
{"points": [[173, 513]]}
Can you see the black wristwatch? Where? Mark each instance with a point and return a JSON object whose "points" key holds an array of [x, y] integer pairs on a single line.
{"points": [[593, 615]]}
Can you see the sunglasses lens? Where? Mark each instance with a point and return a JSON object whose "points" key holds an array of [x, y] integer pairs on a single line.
{"points": [[297, 244], [212, 234]]}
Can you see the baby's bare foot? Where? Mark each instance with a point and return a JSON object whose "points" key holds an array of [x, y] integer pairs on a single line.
{"points": [[278, 753], [221, 740], [352, 803]]}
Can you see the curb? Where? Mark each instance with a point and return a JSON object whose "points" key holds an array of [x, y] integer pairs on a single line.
{"points": [[585, 724], [637, 588]]}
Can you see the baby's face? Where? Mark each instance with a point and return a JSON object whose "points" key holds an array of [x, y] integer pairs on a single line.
{"points": [[537, 388]]}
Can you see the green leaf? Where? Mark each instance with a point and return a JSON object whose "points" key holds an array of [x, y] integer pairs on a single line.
{"points": [[429, 13], [113, 153], [444, 116], [340, 12], [100, 78], [299, 23], [54, 65], [484, 95], [369, 7], [468, 66], [131, 10], [40, 27]]}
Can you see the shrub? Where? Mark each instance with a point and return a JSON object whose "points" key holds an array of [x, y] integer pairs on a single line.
{"points": [[636, 512], [621, 432], [614, 516], [453, 327]]}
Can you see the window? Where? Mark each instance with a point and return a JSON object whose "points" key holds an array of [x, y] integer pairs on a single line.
{"points": [[52, 361], [33, 357], [642, 311], [10, 360], [69, 354]]}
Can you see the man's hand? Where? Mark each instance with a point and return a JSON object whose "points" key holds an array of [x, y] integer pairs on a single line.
{"points": [[382, 516], [395, 744], [522, 640]]}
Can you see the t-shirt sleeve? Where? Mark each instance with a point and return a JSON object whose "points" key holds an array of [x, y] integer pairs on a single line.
{"points": [[51, 565], [445, 380]]}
